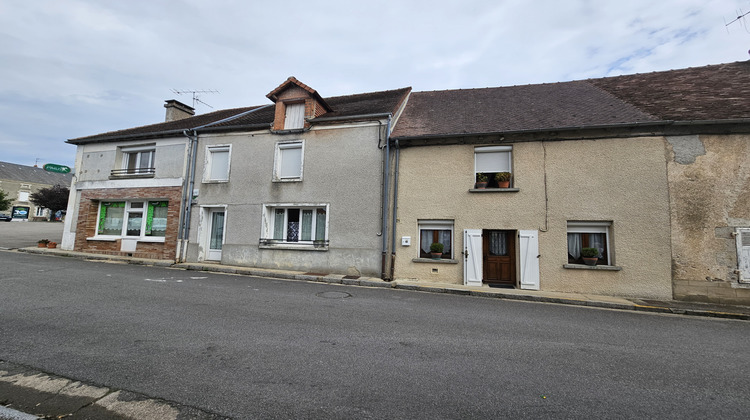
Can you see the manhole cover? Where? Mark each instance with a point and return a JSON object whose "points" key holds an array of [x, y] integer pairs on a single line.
{"points": [[333, 295]]}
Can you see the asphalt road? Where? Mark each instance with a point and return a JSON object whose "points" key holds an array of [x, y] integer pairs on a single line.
{"points": [[260, 348], [15, 235]]}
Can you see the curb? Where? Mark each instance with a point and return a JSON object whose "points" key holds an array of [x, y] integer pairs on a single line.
{"points": [[376, 282]]}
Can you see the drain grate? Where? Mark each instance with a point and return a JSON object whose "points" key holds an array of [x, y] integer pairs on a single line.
{"points": [[351, 277]]}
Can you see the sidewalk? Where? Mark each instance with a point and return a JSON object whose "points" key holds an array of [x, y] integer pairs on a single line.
{"points": [[610, 302]]}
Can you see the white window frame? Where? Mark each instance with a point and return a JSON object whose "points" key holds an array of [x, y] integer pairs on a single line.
{"points": [[142, 237], [278, 160], [24, 196], [39, 212], [294, 116], [140, 151], [435, 224], [505, 164], [269, 220], [209, 162], [592, 227]]}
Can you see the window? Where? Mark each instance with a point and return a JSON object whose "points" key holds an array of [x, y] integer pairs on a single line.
{"points": [[133, 218], [39, 212], [23, 196], [491, 160], [295, 225], [431, 231], [217, 163], [137, 161], [288, 161], [589, 235], [295, 116]]}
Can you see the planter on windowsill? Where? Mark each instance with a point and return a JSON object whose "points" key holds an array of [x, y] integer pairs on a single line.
{"points": [[590, 255], [52, 245], [436, 250], [503, 179]]}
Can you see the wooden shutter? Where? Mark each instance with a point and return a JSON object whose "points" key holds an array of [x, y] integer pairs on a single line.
{"points": [[743, 254]]}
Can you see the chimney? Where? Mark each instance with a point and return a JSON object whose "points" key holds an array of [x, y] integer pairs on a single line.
{"points": [[176, 110]]}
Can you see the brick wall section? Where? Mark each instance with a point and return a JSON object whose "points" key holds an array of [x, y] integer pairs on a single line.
{"points": [[89, 211]]}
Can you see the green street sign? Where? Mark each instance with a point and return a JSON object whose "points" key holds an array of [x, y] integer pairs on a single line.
{"points": [[51, 167]]}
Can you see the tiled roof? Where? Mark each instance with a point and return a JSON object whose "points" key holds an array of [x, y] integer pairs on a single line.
{"points": [[703, 93], [343, 106], [22, 173]]}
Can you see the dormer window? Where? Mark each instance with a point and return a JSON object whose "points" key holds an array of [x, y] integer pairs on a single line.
{"points": [[295, 116]]}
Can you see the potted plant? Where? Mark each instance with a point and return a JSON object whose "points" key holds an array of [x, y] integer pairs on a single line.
{"points": [[436, 250], [52, 244], [590, 255], [481, 181], [503, 179], [42, 243]]}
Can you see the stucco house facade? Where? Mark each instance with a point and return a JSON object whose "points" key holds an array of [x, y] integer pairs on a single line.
{"points": [[301, 188], [650, 170]]}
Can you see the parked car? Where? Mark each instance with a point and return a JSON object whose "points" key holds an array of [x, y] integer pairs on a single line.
{"points": [[5, 217]]}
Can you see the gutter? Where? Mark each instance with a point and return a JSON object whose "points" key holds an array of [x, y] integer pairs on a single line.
{"points": [[183, 236], [351, 117], [384, 204], [395, 208]]}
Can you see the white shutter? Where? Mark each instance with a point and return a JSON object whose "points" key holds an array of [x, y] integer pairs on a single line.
{"points": [[529, 241], [473, 257], [743, 254]]}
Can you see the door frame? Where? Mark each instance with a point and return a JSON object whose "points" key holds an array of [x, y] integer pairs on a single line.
{"points": [[205, 232], [511, 236]]}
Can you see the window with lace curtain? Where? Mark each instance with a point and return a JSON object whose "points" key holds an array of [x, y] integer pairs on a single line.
{"points": [[589, 235], [431, 231], [304, 225]]}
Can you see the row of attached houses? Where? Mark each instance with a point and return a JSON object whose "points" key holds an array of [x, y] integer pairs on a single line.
{"points": [[649, 170]]}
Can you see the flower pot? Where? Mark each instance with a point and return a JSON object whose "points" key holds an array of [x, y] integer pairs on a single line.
{"points": [[52, 245], [41, 245], [590, 261], [435, 255], [481, 185], [503, 184]]}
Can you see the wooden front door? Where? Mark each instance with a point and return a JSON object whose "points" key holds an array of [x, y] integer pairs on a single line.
{"points": [[499, 257]]}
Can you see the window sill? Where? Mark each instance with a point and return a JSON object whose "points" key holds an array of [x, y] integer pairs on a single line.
{"points": [[494, 190], [215, 181], [431, 261], [131, 176], [592, 267], [158, 239], [292, 247], [287, 180]]}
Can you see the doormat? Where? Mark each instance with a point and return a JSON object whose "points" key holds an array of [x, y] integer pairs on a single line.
{"points": [[501, 286]]}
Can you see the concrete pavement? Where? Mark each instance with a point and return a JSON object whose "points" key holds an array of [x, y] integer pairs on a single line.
{"points": [[580, 299]]}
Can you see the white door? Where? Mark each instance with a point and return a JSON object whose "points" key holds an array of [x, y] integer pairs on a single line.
{"points": [[743, 254], [472, 257], [529, 253], [215, 234]]}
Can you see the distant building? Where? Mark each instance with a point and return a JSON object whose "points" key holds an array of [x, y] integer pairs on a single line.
{"points": [[19, 182]]}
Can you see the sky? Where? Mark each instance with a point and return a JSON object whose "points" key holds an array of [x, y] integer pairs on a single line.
{"points": [[73, 68]]}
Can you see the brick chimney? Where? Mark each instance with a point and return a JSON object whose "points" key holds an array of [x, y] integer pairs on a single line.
{"points": [[176, 110]]}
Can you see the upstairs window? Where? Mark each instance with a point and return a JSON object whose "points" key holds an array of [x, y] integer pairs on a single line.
{"points": [[137, 161], [295, 116], [217, 164], [490, 161], [288, 161]]}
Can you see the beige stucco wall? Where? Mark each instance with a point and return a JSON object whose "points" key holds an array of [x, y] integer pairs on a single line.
{"points": [[709, 179], [618, 180]]}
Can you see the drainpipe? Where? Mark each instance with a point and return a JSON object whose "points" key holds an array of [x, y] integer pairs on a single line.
{"points": [[187, 196], [395, 209], [386, 174]]}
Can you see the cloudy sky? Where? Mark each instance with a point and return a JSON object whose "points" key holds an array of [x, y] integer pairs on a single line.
{"points": [[72, 68]]}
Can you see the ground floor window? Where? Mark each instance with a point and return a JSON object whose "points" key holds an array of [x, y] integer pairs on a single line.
{"points": [[132, 218], [436, 231], [295, 224], [589, 235]]}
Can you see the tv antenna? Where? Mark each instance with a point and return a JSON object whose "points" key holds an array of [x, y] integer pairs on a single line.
{"points": [[196, 94], [740, 18]]}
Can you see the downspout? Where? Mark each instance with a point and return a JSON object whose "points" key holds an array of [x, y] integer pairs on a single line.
{"points": [[386, 175], [187, 195], [395, 209]]}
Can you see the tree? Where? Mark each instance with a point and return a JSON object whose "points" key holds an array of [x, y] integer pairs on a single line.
{"points": [[4, 201], [54, 198]]}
